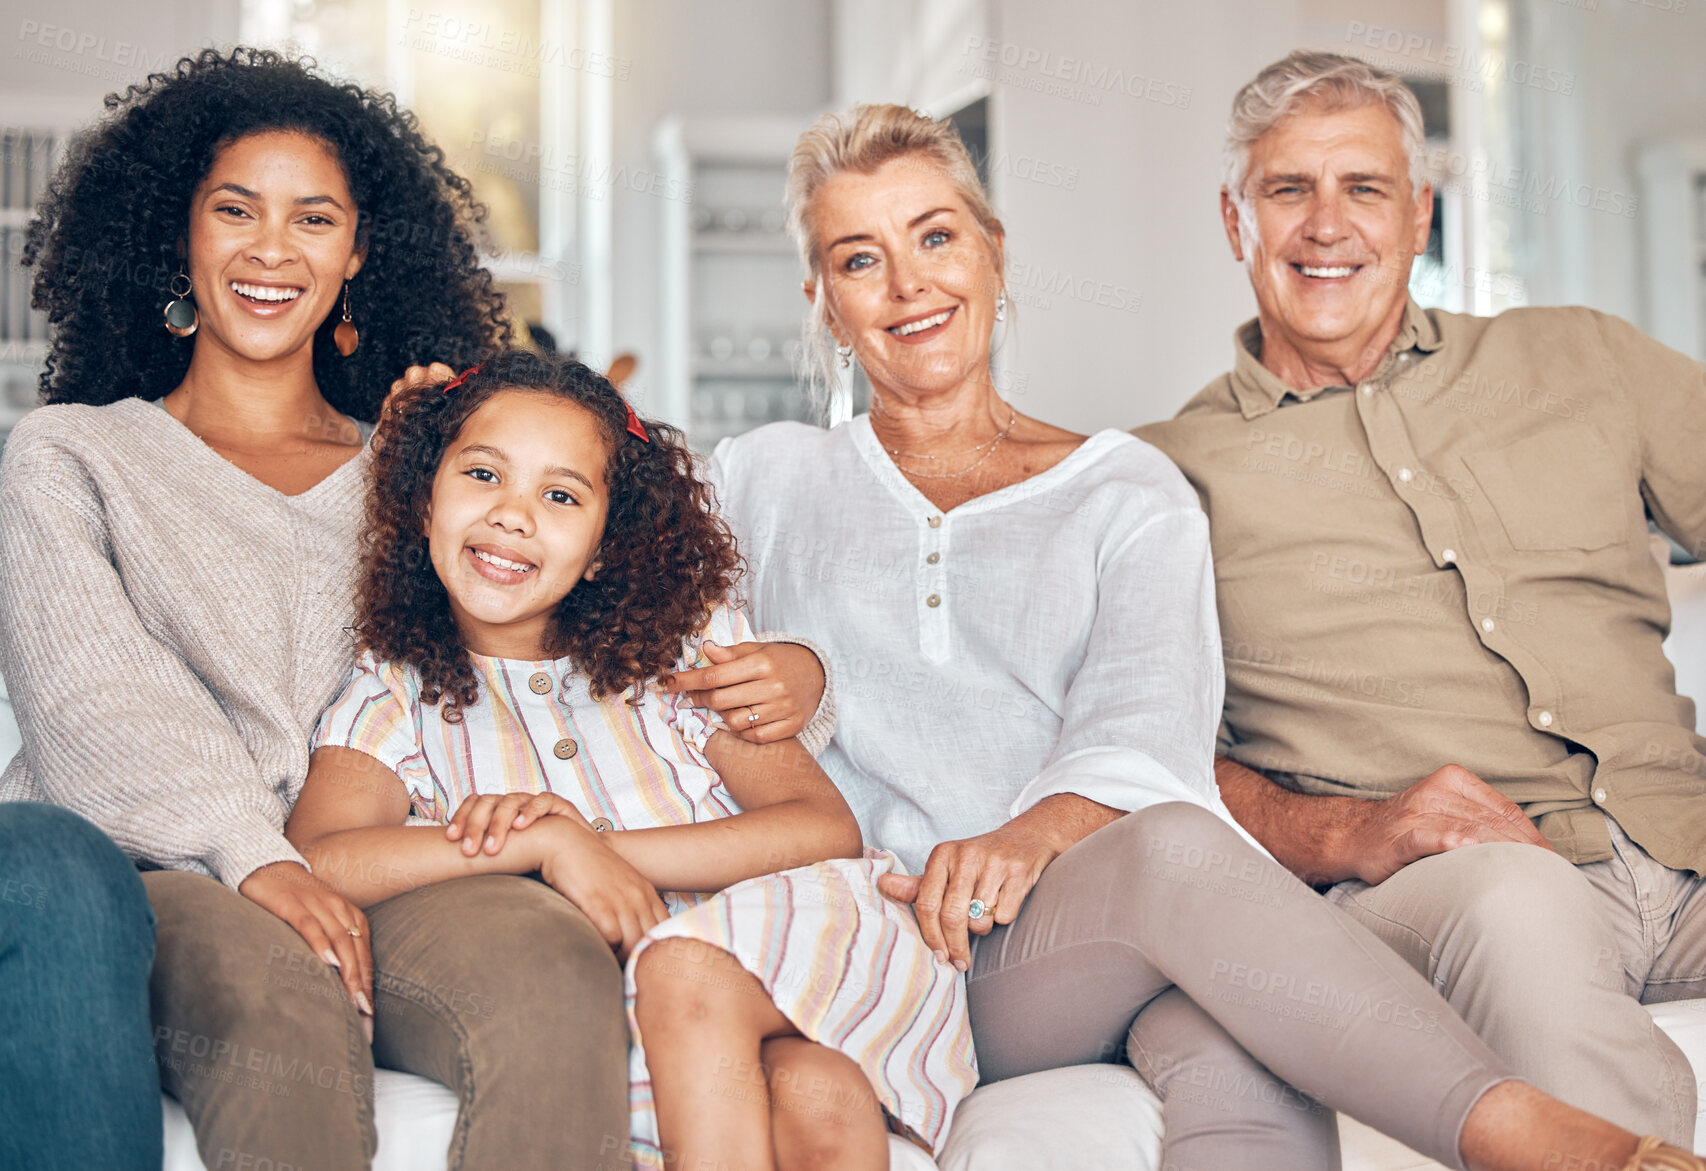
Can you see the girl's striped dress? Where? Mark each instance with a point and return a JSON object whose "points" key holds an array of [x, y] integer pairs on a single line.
{"points": [[845, 964]]}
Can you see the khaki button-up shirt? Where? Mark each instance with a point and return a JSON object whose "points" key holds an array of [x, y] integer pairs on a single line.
{"points": [[1449, 563]]}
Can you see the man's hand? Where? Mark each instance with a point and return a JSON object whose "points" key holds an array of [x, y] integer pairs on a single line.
{"points": [[1324, 840], [1448, 808]]}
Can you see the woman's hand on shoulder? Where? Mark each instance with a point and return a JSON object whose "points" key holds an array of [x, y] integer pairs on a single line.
{"points": [[485, 821], [622, 905], [998, 869], [765, 691], [420, 376], [333, 927], [412, 377]]}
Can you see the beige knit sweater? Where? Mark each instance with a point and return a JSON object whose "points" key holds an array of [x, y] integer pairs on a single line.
{"points": [[171, 629]]}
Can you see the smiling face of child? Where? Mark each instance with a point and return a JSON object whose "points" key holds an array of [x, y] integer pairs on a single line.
{"points": [[517, 514]]}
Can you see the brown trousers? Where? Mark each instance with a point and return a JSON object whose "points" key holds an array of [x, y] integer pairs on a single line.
{"points": [[497, 987], [1244, 998]]}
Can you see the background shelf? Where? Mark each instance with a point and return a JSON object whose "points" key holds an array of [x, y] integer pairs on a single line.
{"points": [[731, 281]]}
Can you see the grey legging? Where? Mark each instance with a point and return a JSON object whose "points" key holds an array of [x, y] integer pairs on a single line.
{"points": [[1165, 937]]}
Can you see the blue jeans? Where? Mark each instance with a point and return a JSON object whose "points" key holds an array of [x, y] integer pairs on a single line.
{"points": [[78, 1083]]}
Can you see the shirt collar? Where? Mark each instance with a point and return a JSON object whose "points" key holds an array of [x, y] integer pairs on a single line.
{"points": [[1259, 390]]}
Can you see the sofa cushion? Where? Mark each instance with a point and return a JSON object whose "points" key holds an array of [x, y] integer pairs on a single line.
{"points": [[1080, 1116], [414, 1117], [1065, 1119]]}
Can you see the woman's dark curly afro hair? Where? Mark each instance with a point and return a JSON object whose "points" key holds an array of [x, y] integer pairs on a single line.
{"points": [[665, 563], [107, 234]]}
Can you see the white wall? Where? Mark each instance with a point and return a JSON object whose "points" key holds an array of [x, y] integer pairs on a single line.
{"points": [[1640, 75], [687, 57], [1139, 223], [94, 47], [1126, 295], [907, 51]]}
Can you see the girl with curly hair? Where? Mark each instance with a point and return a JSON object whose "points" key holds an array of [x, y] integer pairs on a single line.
{"points": [[178, 551], [539, 559]]}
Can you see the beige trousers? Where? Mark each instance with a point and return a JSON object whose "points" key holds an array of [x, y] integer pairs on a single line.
{"points": [[495, 986], [1242, 996], [1550, 963]]}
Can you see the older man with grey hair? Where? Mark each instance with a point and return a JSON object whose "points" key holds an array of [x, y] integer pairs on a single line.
{"points": [[1446, 698]]}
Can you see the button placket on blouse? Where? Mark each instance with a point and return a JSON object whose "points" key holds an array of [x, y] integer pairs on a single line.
{"points": [[558, 701], [933, 589]]}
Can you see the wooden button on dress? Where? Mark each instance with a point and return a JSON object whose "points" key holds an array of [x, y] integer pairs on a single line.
{"points": [[566, 749], [602, 824], [539, 683]]}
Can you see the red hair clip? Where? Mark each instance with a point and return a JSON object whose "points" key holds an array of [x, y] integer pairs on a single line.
{"points": [[462, 377], [635, 428]]}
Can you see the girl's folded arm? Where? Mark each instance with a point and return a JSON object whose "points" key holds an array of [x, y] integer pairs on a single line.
{"points": [[793, 816], [349, 824]]}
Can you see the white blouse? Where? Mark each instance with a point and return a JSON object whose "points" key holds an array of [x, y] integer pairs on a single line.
{"points": [[1056, 636]]}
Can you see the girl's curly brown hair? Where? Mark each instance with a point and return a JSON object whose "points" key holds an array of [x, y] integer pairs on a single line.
{"points": [[666, 561]]}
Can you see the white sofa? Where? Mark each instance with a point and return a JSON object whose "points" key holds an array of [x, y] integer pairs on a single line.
{"points": [[1095, 1115], [1062, 1120]]}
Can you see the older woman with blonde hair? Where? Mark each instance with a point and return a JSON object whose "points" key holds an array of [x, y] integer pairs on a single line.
{"points": [[1022, 626]]}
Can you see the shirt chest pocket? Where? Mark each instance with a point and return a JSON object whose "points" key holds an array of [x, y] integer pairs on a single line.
{"points": [[1560, 489]]}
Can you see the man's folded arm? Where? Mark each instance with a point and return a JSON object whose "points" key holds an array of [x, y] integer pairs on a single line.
{"points": [[1307, 835], [1324, 839]]}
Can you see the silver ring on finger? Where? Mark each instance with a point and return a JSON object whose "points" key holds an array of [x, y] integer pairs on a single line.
{"points": [[976, 909]]}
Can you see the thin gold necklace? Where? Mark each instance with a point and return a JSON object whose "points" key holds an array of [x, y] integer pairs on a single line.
{"points": [[1012, 417], [992, 444]]}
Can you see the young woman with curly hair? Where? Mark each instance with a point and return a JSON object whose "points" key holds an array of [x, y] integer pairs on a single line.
{"points": [[539, 557], [179, 541]]}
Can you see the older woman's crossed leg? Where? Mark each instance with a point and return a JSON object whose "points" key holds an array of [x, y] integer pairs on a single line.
{"points": [[1172, 896]]}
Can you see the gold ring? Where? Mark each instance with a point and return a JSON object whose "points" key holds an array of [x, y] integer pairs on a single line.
{"points": [[354, 934], [751, 717]]}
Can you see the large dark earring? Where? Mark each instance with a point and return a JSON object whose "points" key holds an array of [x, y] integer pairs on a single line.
{"points": [[181, 317], [345, 336]]}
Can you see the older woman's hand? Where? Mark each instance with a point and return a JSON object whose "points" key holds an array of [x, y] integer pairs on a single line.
{"points": [[765, 691], [997, 868]]}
